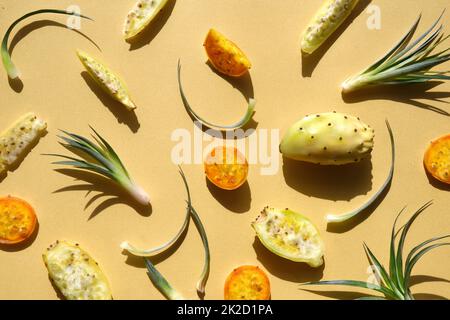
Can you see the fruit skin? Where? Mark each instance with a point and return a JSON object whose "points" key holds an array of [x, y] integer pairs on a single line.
{"points": [[328, 139], [247, 283], [106, 79], [75, 273], [437, 159], [290, 235], [329, 17], [25, 217], [15, 140], [142, 14], [225, 56]]}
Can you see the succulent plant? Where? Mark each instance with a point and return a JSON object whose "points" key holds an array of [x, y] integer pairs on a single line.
{"points": [[328, 139], [394, 280]]}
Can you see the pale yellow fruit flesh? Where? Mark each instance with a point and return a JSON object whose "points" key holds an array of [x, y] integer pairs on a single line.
{"points": [[142, 14], [75, 273], [106, 79], [290, 235]]}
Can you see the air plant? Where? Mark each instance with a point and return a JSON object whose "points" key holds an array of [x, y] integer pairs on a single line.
{"points": [[406, 63], [156, 277], [10, 68], [395, 284], [106, 162], [240, 124], [332, 218]]}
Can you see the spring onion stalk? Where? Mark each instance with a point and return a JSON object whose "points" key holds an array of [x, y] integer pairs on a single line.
{"points": [[107, 162], [161, 283], [11, 69], [240, 124], [153, 251], [156, 277], [198, 223], [332, 218], [406, 63], [394, 283]]}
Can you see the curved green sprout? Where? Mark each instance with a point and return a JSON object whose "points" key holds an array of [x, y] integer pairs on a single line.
{"points": [[10, 68], [395, 284], [107, 163], [198, 223], [240, 124], [331, 218], [406, 63], [158, 280], [161, 283]]}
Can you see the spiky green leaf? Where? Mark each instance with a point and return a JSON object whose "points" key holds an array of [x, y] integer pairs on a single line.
{"points": [[406, 61], [100, 158]]}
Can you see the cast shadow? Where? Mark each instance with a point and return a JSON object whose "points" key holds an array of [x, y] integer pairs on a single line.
{"points": [[342, 182], [310, 61], [23, 245], [338, 295], [105, 188], [122, 114], [346, 226], [58, 292], [243, 84], [419, 279], [285, 269], [17, 84], [407, 94], [151, 31], [22, 156], [429, 296], [415, 280], [238, 134], [436, 183], [237, 201]]}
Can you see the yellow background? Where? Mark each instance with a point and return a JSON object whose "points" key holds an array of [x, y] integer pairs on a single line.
{"points": [[269, 32]]}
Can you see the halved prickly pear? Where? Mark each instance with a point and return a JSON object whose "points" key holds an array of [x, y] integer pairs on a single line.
{"points": [[75, 273], [328, 139], [106, 79], [437, 159], [141, 16], [226, 168], [247, 283], [290, 235], [15, 140], [226, 56], [329, 17]]}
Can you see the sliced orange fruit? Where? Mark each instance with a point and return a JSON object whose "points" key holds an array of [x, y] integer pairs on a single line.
{"points": [[226, 168], [226, 56], [437, 159], [17, 220], [247, 283]]}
